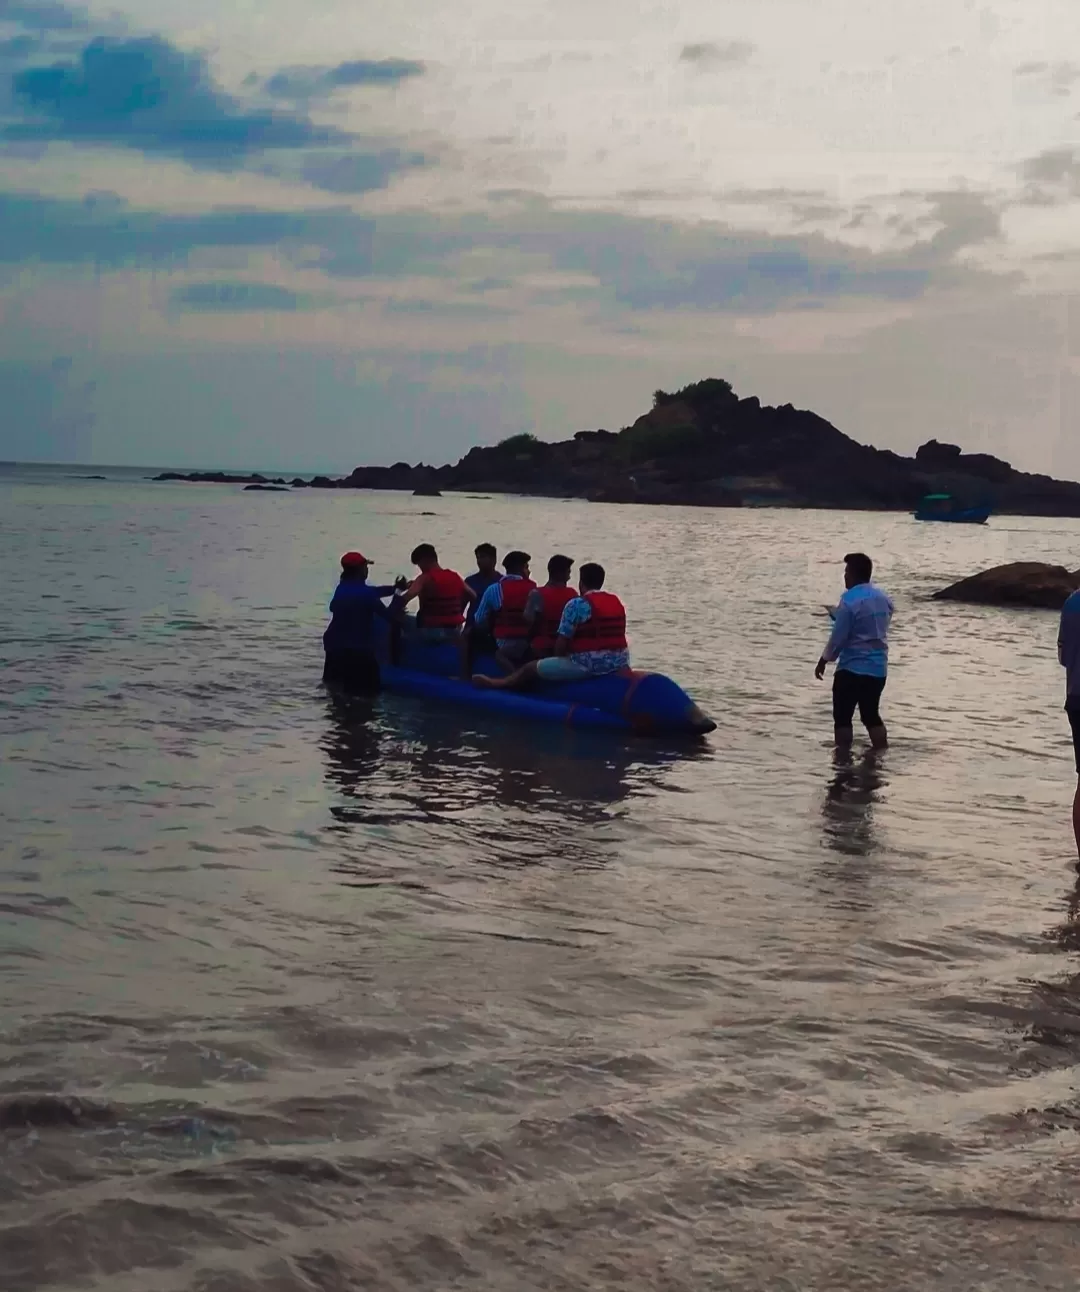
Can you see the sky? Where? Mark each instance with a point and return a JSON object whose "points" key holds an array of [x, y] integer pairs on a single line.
{"points": [[308, 237]]}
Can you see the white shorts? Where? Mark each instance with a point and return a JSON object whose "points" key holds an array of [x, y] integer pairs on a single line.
{"points": [[561, 668]]}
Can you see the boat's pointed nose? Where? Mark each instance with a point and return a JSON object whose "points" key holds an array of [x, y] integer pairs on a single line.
{"points": [[698, 722]]}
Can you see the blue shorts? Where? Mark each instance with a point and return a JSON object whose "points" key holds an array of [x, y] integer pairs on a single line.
{"points": [[515, 648], [561, 668]]}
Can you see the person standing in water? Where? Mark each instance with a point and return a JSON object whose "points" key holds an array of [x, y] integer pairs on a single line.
{"points": [[349, 641], [1069, 658], [859, 645]]}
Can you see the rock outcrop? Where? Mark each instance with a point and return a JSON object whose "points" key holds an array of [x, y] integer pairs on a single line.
{"points": [[704, 446], [1021, 583]]}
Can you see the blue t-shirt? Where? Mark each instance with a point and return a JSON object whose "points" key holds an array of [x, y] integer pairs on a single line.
{"points": [[1069, 647], [479, 584], [860, 637], [354, 607]]}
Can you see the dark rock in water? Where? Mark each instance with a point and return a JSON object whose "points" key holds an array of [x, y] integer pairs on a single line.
{"points": [[269, 488], [427, 491], [1021, 583], [216, 477], [21, 1111]]}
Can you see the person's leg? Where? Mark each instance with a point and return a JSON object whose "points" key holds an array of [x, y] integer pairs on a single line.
{"points": [[523, 677], [1076, 819], [870, 710], [510, 655], [844, 699], [465, 655], [367, 678], [1074, 723], [331, 674]]}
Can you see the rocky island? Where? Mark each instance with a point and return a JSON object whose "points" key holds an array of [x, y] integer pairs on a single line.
{"points": [[705, 446]]}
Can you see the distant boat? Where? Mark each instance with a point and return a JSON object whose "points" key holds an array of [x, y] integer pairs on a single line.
{"points": [[943, 506]]}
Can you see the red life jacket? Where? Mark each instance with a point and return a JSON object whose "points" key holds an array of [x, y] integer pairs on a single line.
{"points": [[547, 626], [510, 617], [442, 599], [605, 629]]}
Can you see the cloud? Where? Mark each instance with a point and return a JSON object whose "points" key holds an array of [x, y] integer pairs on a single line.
{"points": [[306, 82], [648, 264], [236, 297], [148, 95], [105, 232], [712, 54], [18, 48], [1053, 177], [965, 220], [42, 15], [1055, 166], [357, 172], [1057, 78]]}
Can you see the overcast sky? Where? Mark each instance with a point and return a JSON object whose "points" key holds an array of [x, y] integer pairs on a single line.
{"points": [[311, 236]]}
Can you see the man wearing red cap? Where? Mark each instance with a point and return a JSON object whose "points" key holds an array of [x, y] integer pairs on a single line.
{"points": [[349, 640]]}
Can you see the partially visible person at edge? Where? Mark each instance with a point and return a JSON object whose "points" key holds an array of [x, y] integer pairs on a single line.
{"points": [[1069, 658], [486, 574], [442, 595], [474, 641], [349, 640], [545, 606], [859, 645], [591, 639], [502, 608]]}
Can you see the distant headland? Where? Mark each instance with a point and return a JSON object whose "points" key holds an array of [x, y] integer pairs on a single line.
{"points": [[704, 446]]}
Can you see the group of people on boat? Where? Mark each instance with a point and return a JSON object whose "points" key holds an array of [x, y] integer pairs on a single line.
{"points": [[551, 632]]}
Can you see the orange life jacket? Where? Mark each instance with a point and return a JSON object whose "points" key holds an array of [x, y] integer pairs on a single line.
{"points": [[510, 617], [547, 627], [442, 599], [605, 629]]}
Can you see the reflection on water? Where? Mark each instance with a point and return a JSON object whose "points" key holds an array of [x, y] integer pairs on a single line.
{"points": [[848, 811], [539, 789]]}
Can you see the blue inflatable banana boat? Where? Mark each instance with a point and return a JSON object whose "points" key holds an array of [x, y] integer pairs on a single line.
{"points": [[629, 701]]}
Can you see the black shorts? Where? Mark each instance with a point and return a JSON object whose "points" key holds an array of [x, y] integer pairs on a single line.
{"points": [[856, 690], [1073, 710], [355, 671]]}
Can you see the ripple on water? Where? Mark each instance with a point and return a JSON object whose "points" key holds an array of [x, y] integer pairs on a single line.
{"points": [[301, 994]]}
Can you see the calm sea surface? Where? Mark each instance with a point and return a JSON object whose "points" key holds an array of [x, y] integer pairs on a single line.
{"points": [[301, 996]]}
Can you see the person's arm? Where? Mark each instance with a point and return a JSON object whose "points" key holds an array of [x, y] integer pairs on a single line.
{"points": [[414, 589], [534, 608], [838, 638], [489, 604], [1061, 640], [383, 589], [575, 614], [469, 594]]}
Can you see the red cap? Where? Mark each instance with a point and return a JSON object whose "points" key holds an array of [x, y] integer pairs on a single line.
{"points": [[353, 558]]}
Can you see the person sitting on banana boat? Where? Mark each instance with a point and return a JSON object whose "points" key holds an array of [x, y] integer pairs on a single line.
{"points": [[591, 640], [502, 608]]}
